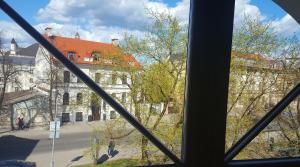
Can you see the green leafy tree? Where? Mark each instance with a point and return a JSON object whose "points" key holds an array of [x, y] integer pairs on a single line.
{"points": [[94, 145], [161, 78], [264, 68]]}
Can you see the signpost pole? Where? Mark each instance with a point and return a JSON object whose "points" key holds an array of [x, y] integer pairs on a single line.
{"points": [[55, 124]]}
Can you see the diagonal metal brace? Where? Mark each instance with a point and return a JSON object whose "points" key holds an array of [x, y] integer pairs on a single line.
{"points": [[260, 125], [87, 80]]}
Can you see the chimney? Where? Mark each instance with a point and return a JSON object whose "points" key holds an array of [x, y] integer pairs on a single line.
{"points": [[115, 41], [13, 47], [77, 36], [48, 31]]}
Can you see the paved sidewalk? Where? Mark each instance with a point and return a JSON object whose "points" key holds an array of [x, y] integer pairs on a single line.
{"points": [[69, 148]]}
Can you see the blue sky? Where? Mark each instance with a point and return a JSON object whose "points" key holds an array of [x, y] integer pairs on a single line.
{"points": [[29, 8], [103, 22]]}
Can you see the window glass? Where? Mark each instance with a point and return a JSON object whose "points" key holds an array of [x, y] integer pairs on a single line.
{"points": [[71, 55], [79, 98], [66, 99], [264, 68], [97, 77], [141, 57], [66, 76], [279, 139]]}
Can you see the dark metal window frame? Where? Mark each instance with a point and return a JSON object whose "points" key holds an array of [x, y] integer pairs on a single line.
{"points": [[208, 64]]}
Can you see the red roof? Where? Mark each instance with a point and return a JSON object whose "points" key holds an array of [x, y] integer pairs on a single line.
{"points": [[110, 55]]}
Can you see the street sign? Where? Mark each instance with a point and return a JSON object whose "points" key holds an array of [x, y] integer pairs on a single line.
{"points": [[52, 126], [52, 129]]}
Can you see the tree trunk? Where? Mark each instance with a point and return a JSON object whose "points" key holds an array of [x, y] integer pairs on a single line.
{"points": [[145, 154], [95, 162], [51, 92], [10, 108], [2, 95]]}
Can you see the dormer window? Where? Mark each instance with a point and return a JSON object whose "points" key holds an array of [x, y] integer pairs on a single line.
{"points": [[131, 63], [96, 56], [71, 55]]}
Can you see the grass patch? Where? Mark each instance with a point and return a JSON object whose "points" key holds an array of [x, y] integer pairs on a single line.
{"points": [[116, 163]]}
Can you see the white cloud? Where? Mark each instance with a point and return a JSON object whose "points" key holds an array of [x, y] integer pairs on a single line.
{"points": [[181, 11], [95, 33], [101, 20], [9, 30], [286, 25], [120, 13], [242, 8], [130, 14]]}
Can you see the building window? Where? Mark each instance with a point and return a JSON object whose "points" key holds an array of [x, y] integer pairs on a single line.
{"points": [[16, 89], [104, 105], [131, 63], [79, 80], [66, 99], [31, 80], [124, 79], [123, 97], [97, 77], [1, 79], [113, 79], [71, 55], [31, 71], [31, 88], [113, 115], [66, 76], [96, 56], [79, 98]]}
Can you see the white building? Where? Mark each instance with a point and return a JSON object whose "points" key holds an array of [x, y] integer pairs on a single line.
{"points": [[105, 63], [19, 65]]}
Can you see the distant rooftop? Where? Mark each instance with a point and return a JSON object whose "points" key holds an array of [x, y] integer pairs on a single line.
{"points": [[84, 50]]}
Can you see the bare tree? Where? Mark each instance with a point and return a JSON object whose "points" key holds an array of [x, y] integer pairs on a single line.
{"points": [[52, 78], [9, 74]]}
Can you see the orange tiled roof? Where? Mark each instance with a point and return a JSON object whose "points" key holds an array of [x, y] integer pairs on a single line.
{"points": [[109, 53], [257, 57]]}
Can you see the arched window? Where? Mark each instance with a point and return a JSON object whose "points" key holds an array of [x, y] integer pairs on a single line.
{"points": [[66, 99], [79, 98], [66, 76]]}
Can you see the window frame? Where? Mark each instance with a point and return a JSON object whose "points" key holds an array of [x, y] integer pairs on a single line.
{"points": [[71, 55], [98, 76], [67, 78], [66, 98], [79, 98], [207, 86]]}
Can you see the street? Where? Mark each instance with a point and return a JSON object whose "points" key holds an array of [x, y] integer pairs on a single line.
{"points": [[35, 146]]}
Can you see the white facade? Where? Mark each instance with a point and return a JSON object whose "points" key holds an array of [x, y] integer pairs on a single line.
{"points": [[19, 65], [74, 86], [36, 76]]}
